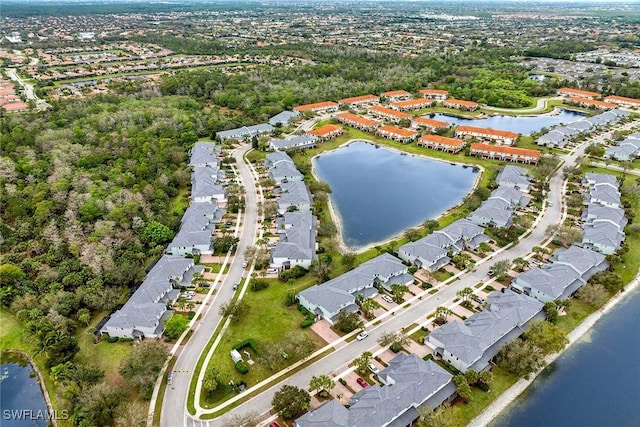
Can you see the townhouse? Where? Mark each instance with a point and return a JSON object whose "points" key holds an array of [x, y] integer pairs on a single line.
{"points": [[328, 299], [436, 142], [281, 168], [493, 212], [358, 122], [621, 100], [389, 114], [436, 94], [205, 187], [284, 118], [195, 236], [318, 107], [299, 142], [626, 150], [326, 132], [427, 123], [396, 95], [498, 136], [297, 245], [244, 132], [603, 230], [561, 135], [509, 154], [412, 104], [204, 154], [569, 92], [410, 384], [397, 134], [294, 196], [472, 344], [459, 104], [515, 177], [359, 100], [591, 103]]}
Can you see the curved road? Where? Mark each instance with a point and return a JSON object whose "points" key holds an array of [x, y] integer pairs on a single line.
{"points": [[28, 90], [541, 104]]}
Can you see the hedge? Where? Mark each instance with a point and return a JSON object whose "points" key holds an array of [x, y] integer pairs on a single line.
{"points": [[241, 367], [306, 323], [250, 343]]}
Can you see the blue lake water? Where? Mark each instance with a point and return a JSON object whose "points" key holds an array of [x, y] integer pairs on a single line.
{"points": [[524, 125], [378, 192], [596, 382], [21, 400]]}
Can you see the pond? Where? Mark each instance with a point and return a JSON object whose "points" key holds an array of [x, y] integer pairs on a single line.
{"points": [[21, 397], [524, 125], [378, 192]]}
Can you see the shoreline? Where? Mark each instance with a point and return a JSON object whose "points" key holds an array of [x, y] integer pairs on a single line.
{"points": [[337, 219], [510, 395]]}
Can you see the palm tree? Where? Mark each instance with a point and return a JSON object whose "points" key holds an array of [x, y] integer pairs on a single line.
{"points": [[368, 305], [442, 313], [362, 362], [465, 293], [322, 383], [398, 292]]}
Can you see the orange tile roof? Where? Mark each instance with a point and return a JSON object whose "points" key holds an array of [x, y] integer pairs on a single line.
{"points": [[358, 119], [397, 131], [430, 122], [570, 90], [614, 98], [461, 102], [441, 140], [7, 91], [396, 93], [505, 149], [363, 98], [412, 102], [390, 112], [434, 92], [317, 105], [502, 133], [592, 102], [325, 130], [14, 106]]}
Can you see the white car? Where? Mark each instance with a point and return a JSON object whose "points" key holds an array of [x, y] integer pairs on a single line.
{"points": [[244, 264], [362, 335], [387, 298], [373, 368]]}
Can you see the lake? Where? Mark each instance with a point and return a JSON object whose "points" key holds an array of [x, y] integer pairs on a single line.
{"points": [[596, 382], [21, 398], [378, 192], [524, 125]]}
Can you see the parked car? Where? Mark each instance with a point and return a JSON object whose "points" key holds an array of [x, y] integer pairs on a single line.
{"points": [[477, 299], [491, 273], [244, 264], [362, 335], [373, 368], [362, 382], [170, 378], [387, 298], [236, 286]]}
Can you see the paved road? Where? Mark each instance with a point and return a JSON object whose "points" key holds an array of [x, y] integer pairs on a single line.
{"points": [[28, 89], [540, 106], [174, 412]]}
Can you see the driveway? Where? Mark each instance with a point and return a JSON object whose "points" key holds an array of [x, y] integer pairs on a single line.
{"points": [[419, 350], [323, 329]]}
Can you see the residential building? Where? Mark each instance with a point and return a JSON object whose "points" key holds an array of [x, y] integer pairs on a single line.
{"points": [[567, 91], [245, 132], [493, 213], [295, 196], [425, 254], [360, 100], [299, 142], [412, 104], [204, 186], [459, 104], [583, 261], [318, 107], [358, 122], [427, 123], [593, 180], [437, 94], [592, 103], [389, 114], [204, 154], [473, 343], [626, 150], [498, 136], [602, 236], [281, 168], [598, 213], [397, 134], [450, 145], [604, 195], [297, 245], [510, 154], [396, 95], [195, 236], [326, 132], [515, 177], [621, 100], [284, 118], [549, 283]]}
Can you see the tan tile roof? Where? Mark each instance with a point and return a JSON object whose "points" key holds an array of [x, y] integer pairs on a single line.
{"points": [[441, 140], [505, 149], [317, 105], [496, 132], [572, 91]]}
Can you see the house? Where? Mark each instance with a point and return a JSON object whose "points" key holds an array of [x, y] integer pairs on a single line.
{"points": [[604, 195], [410, 384], [412, 104], [498, 136], [397, 134], [204, 154], [583, 261], [358, 122], [602, 236], [591, 103], [300, 142], [427, 123], [459, 104], [621, 100], [359, 100], [325, 107], [389, 114], [515, 177], [295, 196], [244, 132], [396, 95], [511, 154], [283, 171], [437, 94], [297, 245], [493, 213], [555, 138], [195, 236], [204, 186], [567, 91], [550, 282], [473, 343], [450, 145], [515, 198], [144, 314], [593, 180], [625, 151], [328, 299], [424, 254], [326, 132], [599, 213], [284, 118]]}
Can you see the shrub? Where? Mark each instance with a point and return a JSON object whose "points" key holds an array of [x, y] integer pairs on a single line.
{"points": [[293, 273], [489, 288], [258, 285], [113, 339], [412, 270], [302, 309], [396, 347], [241, 367], [306, 323], [427, 286], [248, 343], [290, 300]]}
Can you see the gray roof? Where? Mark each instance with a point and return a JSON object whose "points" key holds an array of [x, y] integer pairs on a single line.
{"points": [[603, 233], [593, 179], [277, 157], [597, 212], [584, 261], [243, 131], [294, 193], [510, 195], [580, 125], [285, 171], [605, 194], [298, 142], [422, 249], [552, 280], [284, 117], [515, 175], [621, 152], [330, 298], [204, 182], [329, 414], [204, 153], [554, 137], [492, 211]]}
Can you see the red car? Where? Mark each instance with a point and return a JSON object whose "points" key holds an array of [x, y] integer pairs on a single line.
{"points": [[362, 382]]}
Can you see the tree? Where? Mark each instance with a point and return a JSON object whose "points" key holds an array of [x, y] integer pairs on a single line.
{"points": [[412, 234], [290, 401], [442, 313], [546, 336], [155, 233], [175, 325], [348, 260], [396, 340], [564, 234], [610, 280], [213, 379], [472, 376], [98, 405], [431, 225], [321, 268], [484, 379], [368, 305], [132, 414], [347, 322], [247, 420], [521, 264], [398, 291], [521, 358], [593, 294], [235, 310], [362, 362], [501, 268], [322, 384], [465, 293], [441, 417], [551, 311], [464, 390], [141, 367], [484, 248]]}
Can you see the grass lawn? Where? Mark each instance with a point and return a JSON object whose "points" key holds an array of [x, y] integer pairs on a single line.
{"points": [[11, 333]]}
